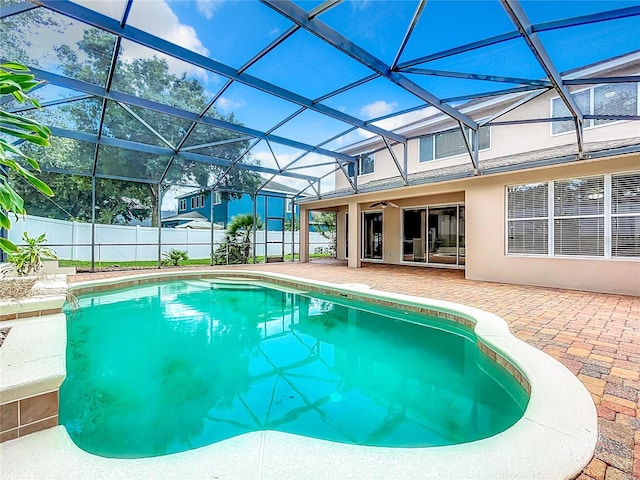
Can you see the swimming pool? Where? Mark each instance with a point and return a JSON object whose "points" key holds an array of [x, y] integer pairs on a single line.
{"points": [[168, 367], [554, 438]]}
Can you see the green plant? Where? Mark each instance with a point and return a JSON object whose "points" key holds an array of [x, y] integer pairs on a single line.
{"points": [[237, 244], [15, 79], [28, 258], [174, 256]]}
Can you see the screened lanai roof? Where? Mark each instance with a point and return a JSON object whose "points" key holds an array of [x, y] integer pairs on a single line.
{"points": [[142, 90]]}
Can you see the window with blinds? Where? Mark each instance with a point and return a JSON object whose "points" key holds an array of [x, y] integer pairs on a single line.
{"points": [[625, 215], [450, 143], [527, 219], [578, 212], [590, 217]]}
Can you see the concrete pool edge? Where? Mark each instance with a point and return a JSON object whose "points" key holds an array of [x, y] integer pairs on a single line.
{"points": [[546, 443]]}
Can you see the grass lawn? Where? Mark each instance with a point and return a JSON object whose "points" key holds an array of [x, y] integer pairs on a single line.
{"points": [[84, 264]]}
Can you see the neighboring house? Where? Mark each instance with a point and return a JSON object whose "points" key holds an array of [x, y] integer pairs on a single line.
{"points": [[533, 213], [273, 205]]}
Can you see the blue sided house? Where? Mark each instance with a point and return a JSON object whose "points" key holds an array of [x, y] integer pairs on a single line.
{"points": [[272, 206]]}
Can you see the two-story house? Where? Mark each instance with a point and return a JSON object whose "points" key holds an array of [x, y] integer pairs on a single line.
{"points": [[274, 206], [532, 205]]}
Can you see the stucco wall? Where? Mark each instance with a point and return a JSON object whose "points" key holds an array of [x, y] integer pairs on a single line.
{"points": [[485, 238], [484, 199]]}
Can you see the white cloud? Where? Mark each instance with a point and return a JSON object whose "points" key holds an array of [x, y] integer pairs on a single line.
{"points": [[228, 105], [377, 109], [208, 7], [146, 16]]}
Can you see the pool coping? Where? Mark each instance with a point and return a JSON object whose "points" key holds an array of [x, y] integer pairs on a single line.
{"points": [[547, 443]]}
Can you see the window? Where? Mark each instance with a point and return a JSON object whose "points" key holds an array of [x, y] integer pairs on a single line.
{"points": [[578, 221], [217, 198], [365, 165], [183, 204], [625, 215], [197, 201], [450, 143], [592, 217], [609, 99], [288, 205], [527, 222]]}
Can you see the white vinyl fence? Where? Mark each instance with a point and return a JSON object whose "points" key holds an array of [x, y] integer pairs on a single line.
{"points": [[113, 243]]}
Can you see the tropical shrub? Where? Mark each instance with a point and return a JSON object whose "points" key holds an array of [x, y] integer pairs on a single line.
{"points": [[173, 257], [28, 258]]}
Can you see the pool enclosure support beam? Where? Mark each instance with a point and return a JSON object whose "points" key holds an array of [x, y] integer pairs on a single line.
{"points": [[519, 18], [598, 80], [93, 223], [407, 35], [513, 106], [472, 147], [159, 200], [293, 228], [211, 218], [352, 181], [161, 45], [16, 9], [401, 170], [476, 76], [254, 228], [321, 30]]}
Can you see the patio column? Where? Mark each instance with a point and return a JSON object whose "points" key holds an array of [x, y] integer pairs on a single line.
{"points": [[304, 234], [355, 245]]}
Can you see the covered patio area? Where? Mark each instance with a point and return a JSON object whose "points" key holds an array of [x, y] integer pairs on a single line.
{"points": [[592, 334]]}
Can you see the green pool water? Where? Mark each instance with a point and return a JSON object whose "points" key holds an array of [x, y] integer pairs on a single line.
{"points": [[168, 367]]}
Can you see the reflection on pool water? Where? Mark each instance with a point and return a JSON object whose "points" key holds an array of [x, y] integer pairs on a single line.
{"points": [[168, 367]]}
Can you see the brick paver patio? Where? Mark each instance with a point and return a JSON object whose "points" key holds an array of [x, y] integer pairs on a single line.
{"points": [[596, 336]]}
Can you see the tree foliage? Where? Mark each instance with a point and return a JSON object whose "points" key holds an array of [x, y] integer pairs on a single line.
{"points": [[151, 78], [16, 80]]}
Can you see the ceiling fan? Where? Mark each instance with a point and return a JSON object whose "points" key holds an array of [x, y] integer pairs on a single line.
{"points": [[383, 204]]}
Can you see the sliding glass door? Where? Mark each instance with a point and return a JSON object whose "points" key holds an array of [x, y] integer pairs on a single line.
{"points": [[372, 235], [414, 237], [443, 235], [434, 235]]}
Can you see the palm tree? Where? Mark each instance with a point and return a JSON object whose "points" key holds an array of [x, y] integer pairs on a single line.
{"points": [[236, 247]]}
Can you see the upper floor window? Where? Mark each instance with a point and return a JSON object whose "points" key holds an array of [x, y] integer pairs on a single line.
{"points": [[183, 204], [609, 99], [365, 165], [217, 198], [197, 201], [450, 143]]}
